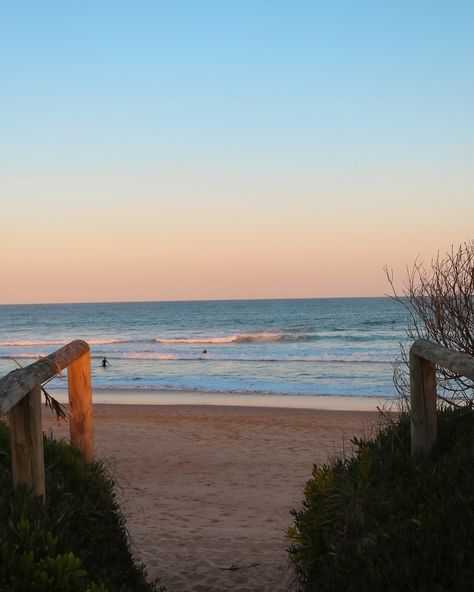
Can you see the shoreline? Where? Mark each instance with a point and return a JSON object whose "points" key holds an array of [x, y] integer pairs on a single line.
{"points": [[271, 401]]}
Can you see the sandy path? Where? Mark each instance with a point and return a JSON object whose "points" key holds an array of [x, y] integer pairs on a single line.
{"points": [[208, 490]]}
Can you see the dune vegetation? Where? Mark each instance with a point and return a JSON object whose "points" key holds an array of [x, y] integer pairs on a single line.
{"points": [[76, 541], [379, 519]]}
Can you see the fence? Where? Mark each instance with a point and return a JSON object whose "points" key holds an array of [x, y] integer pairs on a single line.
{"points": [[424, 355], [20, 397]]}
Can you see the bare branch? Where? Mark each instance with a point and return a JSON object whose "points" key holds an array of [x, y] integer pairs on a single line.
{"points": [[439, 299]]}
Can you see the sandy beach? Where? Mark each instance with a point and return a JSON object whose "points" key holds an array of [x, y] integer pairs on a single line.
{"points": [[207, 489]]}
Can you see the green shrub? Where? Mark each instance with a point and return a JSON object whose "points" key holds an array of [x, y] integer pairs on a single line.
{"points": [[381, 520], [77, 541]]}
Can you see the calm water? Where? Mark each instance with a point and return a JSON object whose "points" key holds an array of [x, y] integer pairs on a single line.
{"points": [[311, 347]]}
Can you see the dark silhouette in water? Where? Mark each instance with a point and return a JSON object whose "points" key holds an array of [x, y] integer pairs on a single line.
{"points": [[105, 362], [204, 351]]}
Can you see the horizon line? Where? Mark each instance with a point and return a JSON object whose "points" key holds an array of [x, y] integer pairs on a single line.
{"points": [[184, 300]]}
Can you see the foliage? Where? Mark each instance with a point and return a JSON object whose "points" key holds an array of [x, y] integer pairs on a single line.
{"points": [[77, 541], [382, 520], [440, 303]]}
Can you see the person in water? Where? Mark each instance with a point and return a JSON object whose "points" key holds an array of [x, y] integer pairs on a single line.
{"points": [[204, 351], [105, 362]]}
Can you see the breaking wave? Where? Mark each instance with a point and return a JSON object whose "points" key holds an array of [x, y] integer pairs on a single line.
{"points": [[236, 338], [258, 337], [65, 341]]}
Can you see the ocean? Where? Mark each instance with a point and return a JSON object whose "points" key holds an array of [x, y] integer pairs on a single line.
{"points": [[334, 346]]}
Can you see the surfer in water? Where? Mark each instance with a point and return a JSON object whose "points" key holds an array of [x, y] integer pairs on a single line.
{"points": [[105, 362], [204, 351]]}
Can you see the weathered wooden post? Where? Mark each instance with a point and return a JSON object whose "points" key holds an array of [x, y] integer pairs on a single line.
{"points": [[26, 436], [423, 404], [80, 406], [20, 397]]}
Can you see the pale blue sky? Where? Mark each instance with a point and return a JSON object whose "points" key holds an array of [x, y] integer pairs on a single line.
{"points": [[248, 117]]}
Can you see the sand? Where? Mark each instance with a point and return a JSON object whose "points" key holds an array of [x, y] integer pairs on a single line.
{"points": [[207, 490]]}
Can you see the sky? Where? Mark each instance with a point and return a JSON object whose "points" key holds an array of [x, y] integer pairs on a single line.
{"points": [[230, 149]]}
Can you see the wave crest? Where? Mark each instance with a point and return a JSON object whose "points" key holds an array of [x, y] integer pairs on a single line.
{"points": [[257, 337], [65, 341]]}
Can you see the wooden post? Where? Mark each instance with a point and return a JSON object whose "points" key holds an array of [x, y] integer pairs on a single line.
{"points": [[423, 404], [80, 406], [26, 436]]}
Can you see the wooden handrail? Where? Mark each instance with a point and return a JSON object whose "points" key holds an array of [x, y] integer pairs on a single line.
{"points": [[15, 385], [20, 396], [457, 362], [424, 355]]}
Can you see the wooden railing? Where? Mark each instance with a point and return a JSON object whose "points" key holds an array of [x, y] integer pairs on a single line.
{"points": [[20, 397], [424, 355]]}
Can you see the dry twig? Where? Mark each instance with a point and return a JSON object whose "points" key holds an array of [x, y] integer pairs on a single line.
{"points": [[439, 300], [50, 401]]}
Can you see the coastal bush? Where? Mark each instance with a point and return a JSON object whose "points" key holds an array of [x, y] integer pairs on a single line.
{"points": [[77, 541], [380, 519], [439, 300]]}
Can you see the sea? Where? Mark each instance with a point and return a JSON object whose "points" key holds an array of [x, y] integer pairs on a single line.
{"points": [[311, 347]]}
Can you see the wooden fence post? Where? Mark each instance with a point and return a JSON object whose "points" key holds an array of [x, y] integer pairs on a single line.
{"points": [[423, 404], [26, 436], [80, 406]]}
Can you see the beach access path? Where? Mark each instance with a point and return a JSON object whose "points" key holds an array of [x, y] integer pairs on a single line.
{"points": [[207, 490]]}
